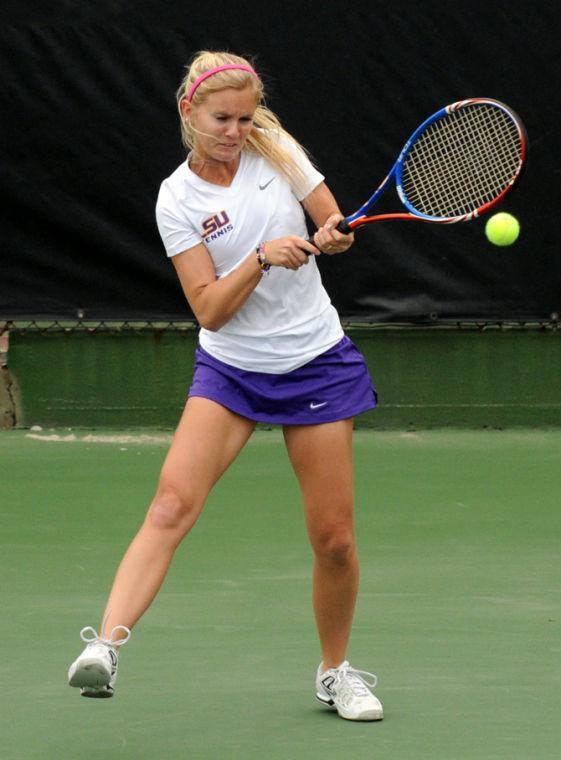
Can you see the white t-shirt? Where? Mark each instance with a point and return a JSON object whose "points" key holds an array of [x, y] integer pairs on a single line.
{"points": [[288, 319]]}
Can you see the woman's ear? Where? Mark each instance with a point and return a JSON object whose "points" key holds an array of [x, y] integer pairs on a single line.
{"points": [[185, 108]]}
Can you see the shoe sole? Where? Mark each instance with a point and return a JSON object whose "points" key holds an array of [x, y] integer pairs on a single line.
{"points": [[368, 715], [90, 674], [105, 692]]}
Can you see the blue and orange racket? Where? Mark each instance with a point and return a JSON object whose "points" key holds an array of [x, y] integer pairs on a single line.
{"points": [[459, 164]]}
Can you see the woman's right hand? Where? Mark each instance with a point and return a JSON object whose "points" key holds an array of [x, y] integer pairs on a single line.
{"points": [[289, 252]]}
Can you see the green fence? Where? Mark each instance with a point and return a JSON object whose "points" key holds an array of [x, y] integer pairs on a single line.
{"points": [[461, 376]]}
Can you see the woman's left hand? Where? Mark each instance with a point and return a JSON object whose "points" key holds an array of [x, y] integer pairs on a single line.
{"points": [[329, 240]]}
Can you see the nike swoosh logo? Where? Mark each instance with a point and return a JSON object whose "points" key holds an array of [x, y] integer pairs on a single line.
{"points": [[262, 187], [318, 406]]}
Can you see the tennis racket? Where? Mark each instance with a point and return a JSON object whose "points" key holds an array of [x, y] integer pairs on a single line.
{"points": [[459, 164]]}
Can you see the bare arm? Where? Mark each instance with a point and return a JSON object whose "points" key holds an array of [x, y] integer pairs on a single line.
{"points": [[323, 210], [215, 301]]}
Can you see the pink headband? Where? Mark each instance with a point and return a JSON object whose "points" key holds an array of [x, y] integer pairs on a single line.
{"points": [[211, 72]]}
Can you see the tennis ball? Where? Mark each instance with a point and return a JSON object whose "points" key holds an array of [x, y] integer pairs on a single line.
{"points": [[502, 229]]}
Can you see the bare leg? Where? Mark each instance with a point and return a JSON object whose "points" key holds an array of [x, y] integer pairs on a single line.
{"points": [[207, 440], [322, 459]]}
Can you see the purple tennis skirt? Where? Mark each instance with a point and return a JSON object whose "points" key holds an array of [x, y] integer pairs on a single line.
{"points": [[334, 386]]}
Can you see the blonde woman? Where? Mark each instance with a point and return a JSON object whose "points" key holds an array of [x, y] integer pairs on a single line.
{"points": [[271, 349]]}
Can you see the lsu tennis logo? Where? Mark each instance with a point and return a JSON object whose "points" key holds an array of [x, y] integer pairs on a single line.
{"points": [[216, 225]]}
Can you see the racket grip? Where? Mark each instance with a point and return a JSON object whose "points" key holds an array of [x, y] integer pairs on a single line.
{"points": [[343, 227]]}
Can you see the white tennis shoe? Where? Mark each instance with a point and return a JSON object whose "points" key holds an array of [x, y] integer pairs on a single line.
{"points": [[95, 670], [349, 692]]}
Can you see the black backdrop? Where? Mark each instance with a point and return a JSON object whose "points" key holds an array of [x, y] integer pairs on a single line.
{"points": [[89, 130]]}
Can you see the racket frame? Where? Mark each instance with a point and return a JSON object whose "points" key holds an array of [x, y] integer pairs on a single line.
{"points": [[363, 216]]}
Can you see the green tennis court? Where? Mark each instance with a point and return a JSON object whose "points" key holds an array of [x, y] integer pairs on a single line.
{"points": [[458, 614]]}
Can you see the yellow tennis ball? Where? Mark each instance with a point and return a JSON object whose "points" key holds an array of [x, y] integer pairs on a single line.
{"points": [[502, 229]]}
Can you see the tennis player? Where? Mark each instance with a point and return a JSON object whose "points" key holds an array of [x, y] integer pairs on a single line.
{"points": [[271, 349]]}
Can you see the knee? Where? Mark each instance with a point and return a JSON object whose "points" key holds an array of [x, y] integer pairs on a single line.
{"points": [[335, 545], [171, 510]]}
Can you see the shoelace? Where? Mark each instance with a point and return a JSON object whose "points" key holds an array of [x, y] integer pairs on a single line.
{"points": [[359, 679], [97, 639]]}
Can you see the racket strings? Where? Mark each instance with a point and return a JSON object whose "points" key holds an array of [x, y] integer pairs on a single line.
{"points": [[466, 173], [459, 171], [462, 161]]}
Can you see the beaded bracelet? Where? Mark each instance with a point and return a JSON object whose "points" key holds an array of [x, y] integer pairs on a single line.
{"points": [[261, 258]]}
